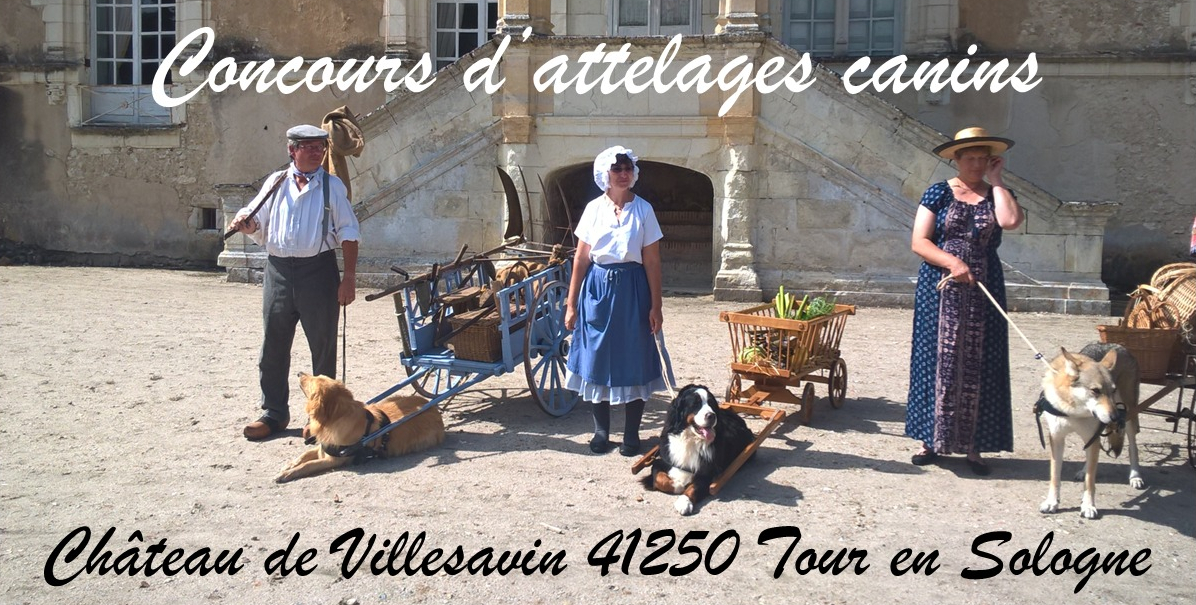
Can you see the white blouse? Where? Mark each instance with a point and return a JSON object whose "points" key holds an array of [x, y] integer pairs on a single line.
{"points": [[622, 239]]}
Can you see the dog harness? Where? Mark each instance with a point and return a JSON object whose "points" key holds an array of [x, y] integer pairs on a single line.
{"points": [[359, 451], [1044, 405]]}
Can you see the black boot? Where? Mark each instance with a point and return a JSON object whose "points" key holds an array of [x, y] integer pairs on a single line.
{"points": [[631, 428], [600, 444]]}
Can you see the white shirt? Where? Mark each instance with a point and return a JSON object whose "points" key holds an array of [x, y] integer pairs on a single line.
{"points": [[622, 239], [291, 223]]}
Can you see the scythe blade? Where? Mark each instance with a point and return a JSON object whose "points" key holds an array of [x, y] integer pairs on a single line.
{"points": [[514, 209]]}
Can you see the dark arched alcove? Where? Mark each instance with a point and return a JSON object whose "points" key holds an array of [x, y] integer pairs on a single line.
{"points": [[682, 198]]}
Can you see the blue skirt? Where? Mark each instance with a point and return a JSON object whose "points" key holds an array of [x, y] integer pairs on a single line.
{"points": [[613, 356]]}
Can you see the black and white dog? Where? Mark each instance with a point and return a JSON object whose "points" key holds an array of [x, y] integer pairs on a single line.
{"points": [[699, 441]]}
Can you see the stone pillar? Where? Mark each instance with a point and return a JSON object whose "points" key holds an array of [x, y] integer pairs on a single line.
{"points": [[516, 15], [735, 193], [241, 258], [742, 16], [394, 29]]}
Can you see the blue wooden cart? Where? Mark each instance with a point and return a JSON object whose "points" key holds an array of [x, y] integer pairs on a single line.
{"points": [[530, 329]]}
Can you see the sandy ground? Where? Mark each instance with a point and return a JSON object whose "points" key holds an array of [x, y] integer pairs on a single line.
{"points": [[125, 392]]}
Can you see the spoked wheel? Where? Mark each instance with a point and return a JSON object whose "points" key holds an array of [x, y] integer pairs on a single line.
{"points": [[837, 383], [546, 350], [435, 382], [735, 388], [807, 403]]}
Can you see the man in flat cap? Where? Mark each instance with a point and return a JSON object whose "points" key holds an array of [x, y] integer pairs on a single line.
{"points": [[305, 217]]}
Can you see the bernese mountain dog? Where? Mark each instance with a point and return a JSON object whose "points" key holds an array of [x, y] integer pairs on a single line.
{"points": [[699, 441]]}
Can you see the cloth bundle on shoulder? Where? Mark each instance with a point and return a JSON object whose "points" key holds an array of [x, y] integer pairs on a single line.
{"points": [[345, 139]]}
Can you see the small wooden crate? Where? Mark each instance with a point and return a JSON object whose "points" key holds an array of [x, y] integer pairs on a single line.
{"points": [[481, 340], [465, 299], [1151, 347], [786, 346]]}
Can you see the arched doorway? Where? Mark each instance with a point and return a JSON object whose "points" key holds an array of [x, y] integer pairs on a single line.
{"points": [[684, 203]]}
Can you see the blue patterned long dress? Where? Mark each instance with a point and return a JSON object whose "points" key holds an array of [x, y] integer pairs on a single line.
{"points": [[959, 397]]}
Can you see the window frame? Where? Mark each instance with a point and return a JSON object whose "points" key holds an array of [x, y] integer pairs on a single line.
{"points": [[841, 44], [113, 103], [653, 27], [484, 30]]}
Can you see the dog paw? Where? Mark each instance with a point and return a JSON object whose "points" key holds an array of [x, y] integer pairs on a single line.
{"points": [[683, 506], [1049, 507], [1088, 511], [282, 477], [1136, 481], [1079, 476]]}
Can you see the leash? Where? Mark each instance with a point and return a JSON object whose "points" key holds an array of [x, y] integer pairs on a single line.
{"points": [[943, 283]]}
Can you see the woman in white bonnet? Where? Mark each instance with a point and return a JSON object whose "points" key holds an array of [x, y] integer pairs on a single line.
{"points": [[614, 302]]}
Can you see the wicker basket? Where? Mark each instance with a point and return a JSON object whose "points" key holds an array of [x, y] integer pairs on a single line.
{"points": [[1151, 347], [480, 340]]}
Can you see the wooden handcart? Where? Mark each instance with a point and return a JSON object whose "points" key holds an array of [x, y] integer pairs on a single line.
{"points": [[451, 341], [775, 354]]}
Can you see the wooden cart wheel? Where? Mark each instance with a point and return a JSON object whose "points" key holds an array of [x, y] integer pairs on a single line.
{"points": [[546, 350], [436, 382], [836, 383], [734, 388], [807, 403]]}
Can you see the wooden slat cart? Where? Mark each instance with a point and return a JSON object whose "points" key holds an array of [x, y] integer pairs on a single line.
{"points": [[775, 354]]}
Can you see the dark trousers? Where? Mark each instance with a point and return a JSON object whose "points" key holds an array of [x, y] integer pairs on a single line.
{"points": [[297, 290]]}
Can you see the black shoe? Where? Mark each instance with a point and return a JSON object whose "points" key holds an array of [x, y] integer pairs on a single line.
{"points": [[629, 448], [599, 445], [924, 458], [979, 467]]}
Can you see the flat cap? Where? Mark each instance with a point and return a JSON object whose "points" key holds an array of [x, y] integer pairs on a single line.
{"points": [[306, 131]]}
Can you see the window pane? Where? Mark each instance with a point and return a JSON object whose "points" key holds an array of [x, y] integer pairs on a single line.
{"points": [[104, 19], [124, 72], [882, 36], [674, 12], [148, 68], [824, 9], [149, 47], [633, 12], [491, 16], [446, 15], [104, 46], [149, 19], [857, 37], [124, 46], [167, 43], [104, 73], [799, 36], [859, 9], [824, 37], [799, 9], [466, 41], [469, 16], [167, 19], [124, 20], [446, 44], [122, 2], [884, 8]]}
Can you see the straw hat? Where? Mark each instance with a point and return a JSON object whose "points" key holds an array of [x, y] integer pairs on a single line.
{"points": [[973, 137]]}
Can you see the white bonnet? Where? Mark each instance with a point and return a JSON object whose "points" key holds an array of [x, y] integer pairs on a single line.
{"points": [[606, 159]]}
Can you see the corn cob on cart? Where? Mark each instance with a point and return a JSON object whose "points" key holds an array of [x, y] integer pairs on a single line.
{"points": [[775, 354]]}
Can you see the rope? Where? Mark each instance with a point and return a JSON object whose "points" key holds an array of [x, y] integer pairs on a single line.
{"points": [[943, 283]]}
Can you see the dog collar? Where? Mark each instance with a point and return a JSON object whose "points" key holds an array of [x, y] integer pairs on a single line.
{"points": [[358, 450]]}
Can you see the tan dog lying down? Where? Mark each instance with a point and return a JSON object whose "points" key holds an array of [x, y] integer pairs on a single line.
{"points": [[338, 421]]}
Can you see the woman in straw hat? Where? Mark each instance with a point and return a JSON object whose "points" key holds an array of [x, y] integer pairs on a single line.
{"points": [[959, 401]]}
